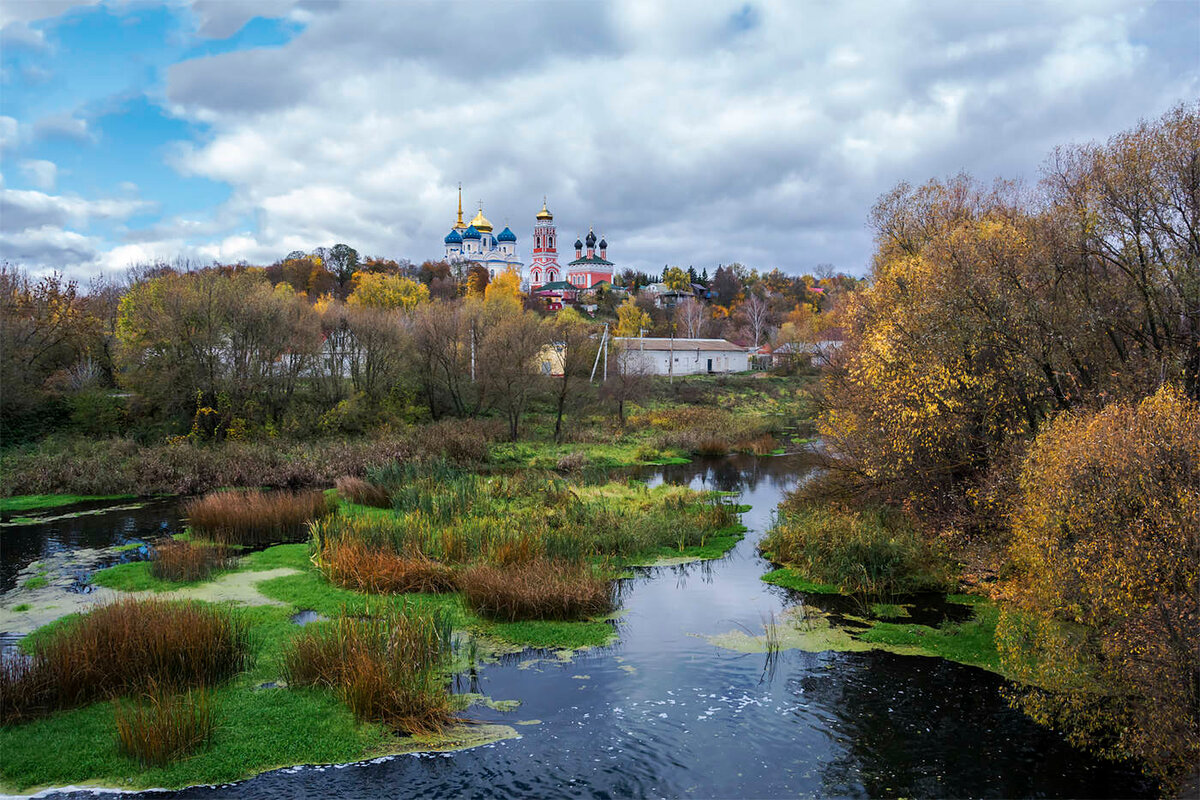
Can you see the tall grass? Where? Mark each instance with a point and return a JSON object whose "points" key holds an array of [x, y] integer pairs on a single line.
{"points": [[120, 648], [256, 518], [161, 726], [542, 589], [389, 669], [351, 564], [871, 552], [188, 561], [356, 490]]}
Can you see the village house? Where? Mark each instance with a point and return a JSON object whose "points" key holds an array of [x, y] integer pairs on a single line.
{"points": [[662, 356]]}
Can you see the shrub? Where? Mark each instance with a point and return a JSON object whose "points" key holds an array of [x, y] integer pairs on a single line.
{"points": [[1106, 532], [541, 589], [388, 669], [356, 490], [873, 552], [256, 518], [119, 648], [353, 565], [188, 561], [164, 727]]}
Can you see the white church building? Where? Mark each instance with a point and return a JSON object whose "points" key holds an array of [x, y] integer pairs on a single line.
{"points": [[475, 242]]}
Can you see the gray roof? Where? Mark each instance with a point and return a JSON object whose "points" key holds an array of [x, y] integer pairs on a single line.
{"points": [[655, 343]]}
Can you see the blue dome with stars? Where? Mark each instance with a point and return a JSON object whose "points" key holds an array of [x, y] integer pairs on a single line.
{"points": [[506, 235]]}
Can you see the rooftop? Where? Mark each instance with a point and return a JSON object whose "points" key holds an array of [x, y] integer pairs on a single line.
{"points": [[656, 343]]}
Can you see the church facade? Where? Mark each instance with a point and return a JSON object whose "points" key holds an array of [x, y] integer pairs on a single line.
{"points": [[475, 242]]}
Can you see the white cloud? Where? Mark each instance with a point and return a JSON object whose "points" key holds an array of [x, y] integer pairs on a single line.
{"points": [[767, 133], [40, 173], [27, 209]]}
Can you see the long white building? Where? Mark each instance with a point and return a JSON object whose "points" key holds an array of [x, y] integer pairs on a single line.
{"points": [[656, 356]]}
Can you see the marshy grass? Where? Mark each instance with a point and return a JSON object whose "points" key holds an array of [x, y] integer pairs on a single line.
{"points": [[162, 726], [538, 590], [120, 648], [356, 490], [175, 560], [351, 564], [873, 552], [255, 518], [388, 668]]}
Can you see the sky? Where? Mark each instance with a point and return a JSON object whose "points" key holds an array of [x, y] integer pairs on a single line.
{"points": [[687, 133]]}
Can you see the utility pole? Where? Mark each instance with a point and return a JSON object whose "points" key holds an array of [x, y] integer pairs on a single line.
{"points": [[671, 357], [472, 354]]}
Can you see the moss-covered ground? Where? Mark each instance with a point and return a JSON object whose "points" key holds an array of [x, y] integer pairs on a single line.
{"points": [[970, 642], [40, 502]]}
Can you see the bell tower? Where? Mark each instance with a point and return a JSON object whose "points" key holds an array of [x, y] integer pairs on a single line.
{"points": [[545, 268]]}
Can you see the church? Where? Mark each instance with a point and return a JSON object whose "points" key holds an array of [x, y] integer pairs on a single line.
{"points": [[475, 242], [582, 273]]}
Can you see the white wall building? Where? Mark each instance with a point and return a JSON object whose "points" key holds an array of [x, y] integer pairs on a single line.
{"points": [[681, 356]]}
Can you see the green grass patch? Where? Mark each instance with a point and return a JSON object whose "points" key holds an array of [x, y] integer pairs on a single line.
{"points": [[788, 578], [889, 611], [22, 607], [720, 543], [972, 642], [38, 502], [36, 582], [549, 633]]}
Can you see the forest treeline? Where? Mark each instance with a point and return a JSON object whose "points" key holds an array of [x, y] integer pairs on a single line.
{"points": [[1022, 377]]}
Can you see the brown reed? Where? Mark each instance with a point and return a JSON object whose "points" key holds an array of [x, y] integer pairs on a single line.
{"points": [[387, 669], [356, 490], [188, 561], [256, 518], [353, 565], [539, 589], [162, 726], [120, 648]]}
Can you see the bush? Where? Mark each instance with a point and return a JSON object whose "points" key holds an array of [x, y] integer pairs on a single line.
{"points": [[872, 552], [388, 669], [541, 589], [188, 561], [1106, 532], [353, 565], [356, 490], [164, 727], [123, 647], [256, 518]]}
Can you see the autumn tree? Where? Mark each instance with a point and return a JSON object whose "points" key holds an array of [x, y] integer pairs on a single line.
{"points": [[342, 261], [509, 362], [631, 320], [676, 279], [575, 342], [628, 378], [757, 311], [691, 316], [380, 291], [1105, 541]]}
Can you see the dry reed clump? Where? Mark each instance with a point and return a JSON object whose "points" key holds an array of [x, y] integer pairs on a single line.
{"points": [[356, 490], [163, 726], [353, 565], [541, 589], [188, 561], [123, 647], [256, 518], [387, 669]]}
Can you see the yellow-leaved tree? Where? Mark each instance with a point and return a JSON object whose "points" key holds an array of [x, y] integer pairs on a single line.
{"points": [[380, 291], [1106, 538], [631, 320]]}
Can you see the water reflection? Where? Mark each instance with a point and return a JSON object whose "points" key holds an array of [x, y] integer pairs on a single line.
{"points": [[664, 713]]}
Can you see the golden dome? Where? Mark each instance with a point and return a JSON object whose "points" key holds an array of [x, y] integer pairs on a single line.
{"points": [[480, 223], [545, 212]]}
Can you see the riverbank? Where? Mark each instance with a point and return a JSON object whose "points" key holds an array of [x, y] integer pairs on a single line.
{"points": [[279, 591]]}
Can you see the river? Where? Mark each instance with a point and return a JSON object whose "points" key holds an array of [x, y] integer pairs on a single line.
{"points": [[664, 713]]}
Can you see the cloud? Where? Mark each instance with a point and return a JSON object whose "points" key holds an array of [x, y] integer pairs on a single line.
{"points": [[40, 173], [687, 133], [26, 210], [50, 248]]}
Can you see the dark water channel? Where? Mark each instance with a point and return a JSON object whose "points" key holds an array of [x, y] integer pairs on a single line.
{"points": [[664, 713], [85, 526]]}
